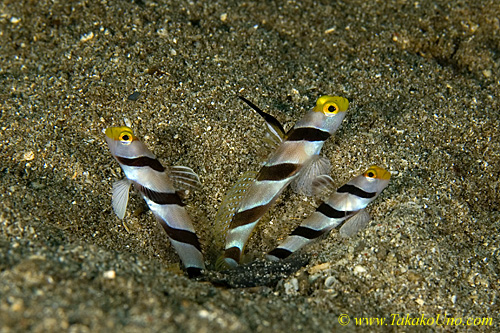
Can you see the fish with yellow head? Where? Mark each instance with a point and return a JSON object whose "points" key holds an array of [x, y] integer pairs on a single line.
{"points": [[295, 161], [344, 209], [158, 186]]}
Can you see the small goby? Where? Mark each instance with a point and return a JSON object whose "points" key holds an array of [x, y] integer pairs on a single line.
{"points": [[344, 208]]}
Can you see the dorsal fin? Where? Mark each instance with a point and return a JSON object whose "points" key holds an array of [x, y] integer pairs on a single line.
{"points": [[221, 264], [274, 126], [229, 205]]}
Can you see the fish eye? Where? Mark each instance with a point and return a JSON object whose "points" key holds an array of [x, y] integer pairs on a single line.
{"points": [[330, 108], [126, 137], [370, 173]]}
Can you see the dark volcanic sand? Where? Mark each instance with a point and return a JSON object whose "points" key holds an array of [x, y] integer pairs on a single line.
{"points": [[423, 79]]}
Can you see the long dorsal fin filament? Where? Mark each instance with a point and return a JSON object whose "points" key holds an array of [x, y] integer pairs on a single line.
{"points": [[274, 126]]}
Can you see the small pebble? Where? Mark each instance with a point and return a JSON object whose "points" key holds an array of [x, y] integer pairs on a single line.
{"points": [[111, 274], [318, 268], [359, 269], [134, 96], [329, 282], [86, 37], [292, 286], [29, 156]]}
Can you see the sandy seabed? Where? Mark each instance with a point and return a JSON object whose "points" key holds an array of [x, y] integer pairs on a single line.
{"points": [[423, 80]]}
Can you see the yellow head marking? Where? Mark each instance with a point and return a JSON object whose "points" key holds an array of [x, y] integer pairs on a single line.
{"points": [[376, 172], [123, 134], [331, 105]]}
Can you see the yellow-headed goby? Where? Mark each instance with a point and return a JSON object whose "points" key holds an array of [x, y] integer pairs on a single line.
{"points": [[345, 207], [296, 159], [158, 186]]}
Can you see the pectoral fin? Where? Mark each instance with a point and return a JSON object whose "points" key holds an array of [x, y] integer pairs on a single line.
{"points": [[121, 190], [318, 166], [355, 224]]}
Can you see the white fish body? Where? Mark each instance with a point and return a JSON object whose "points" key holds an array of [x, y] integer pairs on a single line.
{"points": [[345, 207], [152, 180], [298, 152]]}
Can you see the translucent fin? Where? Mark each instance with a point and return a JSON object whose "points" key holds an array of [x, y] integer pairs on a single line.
{"points": [[184, 178], [221, 264], [271, 139], [121, 190], [318, 166], [322, 184], [276, 132], [229, 205], [355, 224]]}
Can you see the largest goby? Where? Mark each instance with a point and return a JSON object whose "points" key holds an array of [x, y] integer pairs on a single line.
{"points": [[296, 158]]}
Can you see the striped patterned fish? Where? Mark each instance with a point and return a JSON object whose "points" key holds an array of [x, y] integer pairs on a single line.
{"points": [[158, 188], [344, 207], [296, 158]]}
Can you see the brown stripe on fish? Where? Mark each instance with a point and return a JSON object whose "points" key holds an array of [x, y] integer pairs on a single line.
{"points": [[180, 235], [160, 198], [307, 232], [193, 272], [142, 161], [233, 253], [351, 189], [248, 216], [280, 253], [308, 134], [278, 171], [331, 212]]}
